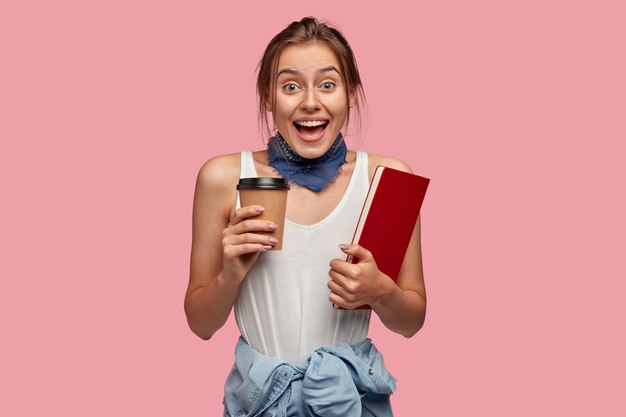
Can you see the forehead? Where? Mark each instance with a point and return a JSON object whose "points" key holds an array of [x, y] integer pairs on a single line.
{"points": [[308, 58]]}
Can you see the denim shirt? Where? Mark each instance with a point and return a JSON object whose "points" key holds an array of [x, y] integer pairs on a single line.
{"points": [[345, 380]]}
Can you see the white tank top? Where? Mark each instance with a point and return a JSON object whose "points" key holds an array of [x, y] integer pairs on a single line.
{"points": [[282, 308]]}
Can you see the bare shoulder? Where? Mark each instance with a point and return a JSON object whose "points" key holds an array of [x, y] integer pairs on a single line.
{"points": [[375, 160], [220, 172], [216, 184]]}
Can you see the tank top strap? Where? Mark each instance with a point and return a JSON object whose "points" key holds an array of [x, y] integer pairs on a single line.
{"points": [[247, 170], [361, 169], [247, 165]]}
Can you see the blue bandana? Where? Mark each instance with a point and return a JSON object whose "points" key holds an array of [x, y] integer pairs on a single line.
{"points": [[315, 174]]}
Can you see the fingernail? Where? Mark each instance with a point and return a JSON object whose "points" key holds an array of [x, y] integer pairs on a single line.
{"points": [[344, 246], [272, 226], [260, 209], [267, 247], [273, 241]]}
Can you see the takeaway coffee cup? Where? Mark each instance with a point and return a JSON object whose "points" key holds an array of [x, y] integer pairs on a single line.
{"points": [[270, 193]]}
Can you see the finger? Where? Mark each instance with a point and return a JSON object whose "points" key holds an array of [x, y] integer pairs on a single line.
{"points": [[338, 289], [244, 238], [346, 269], [359, 252], [343, 267], [338, 280], [337, 264], [338, 301], [245, 212], [235, 251], [252, 225]]}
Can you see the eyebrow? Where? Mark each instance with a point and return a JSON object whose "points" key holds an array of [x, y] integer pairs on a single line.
{"points": [[294, 72]]}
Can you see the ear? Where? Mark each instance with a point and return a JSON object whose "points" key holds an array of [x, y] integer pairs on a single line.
{"points": [[267, 101], [352, 99]]}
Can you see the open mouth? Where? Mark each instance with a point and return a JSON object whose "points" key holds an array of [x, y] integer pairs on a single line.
{"points": [[311, 128]]}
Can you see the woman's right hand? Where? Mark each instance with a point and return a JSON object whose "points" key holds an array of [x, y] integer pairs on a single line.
{"points": [[241, 246]]}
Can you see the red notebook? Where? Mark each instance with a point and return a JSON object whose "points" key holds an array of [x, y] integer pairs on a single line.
{"points": [[388, 217]]}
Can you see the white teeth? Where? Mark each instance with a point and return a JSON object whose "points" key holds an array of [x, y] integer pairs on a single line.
{"points": [[311, 123]]}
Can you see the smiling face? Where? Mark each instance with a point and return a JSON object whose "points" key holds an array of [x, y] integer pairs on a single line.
{"points": [[311, 99]]}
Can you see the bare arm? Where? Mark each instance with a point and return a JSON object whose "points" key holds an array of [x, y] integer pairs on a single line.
{"points": [[224, 247], [401, 306]]}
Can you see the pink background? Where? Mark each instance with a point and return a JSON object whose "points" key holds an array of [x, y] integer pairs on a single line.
{"points": [[515, 110]]}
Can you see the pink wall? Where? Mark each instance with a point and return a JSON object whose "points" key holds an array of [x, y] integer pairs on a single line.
{"points": [[516, 113]]}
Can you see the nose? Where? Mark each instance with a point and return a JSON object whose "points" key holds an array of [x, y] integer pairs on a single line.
{"points": [[310, 101]]}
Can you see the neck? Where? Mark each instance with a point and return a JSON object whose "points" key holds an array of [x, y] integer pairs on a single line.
{"points": [[317, 173]]}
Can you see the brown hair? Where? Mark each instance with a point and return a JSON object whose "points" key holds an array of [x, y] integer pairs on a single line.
{"points": [[307, 31]]}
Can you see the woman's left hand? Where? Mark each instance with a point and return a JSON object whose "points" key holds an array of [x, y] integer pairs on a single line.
{"points": [[353, 285]]}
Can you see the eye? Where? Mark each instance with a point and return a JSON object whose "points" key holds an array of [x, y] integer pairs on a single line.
{"points": [[328, 85], [290, 87]]}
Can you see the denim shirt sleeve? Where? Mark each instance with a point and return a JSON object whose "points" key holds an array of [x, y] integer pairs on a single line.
{"points": [[346, 380]]}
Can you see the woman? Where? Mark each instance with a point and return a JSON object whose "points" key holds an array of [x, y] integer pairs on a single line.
{"points": [[302, 345]]}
